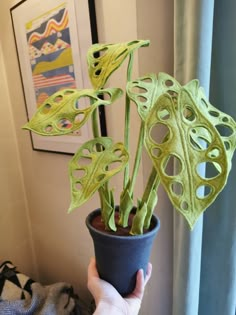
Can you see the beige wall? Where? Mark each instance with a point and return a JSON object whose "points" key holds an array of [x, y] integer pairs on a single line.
{"points": [[15, 232], [61, 242]]}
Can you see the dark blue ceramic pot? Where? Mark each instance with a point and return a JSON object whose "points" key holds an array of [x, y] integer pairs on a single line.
{"points": [[119, 258]]}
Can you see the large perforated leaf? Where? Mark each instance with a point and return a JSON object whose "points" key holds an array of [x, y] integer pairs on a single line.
{"points": [[64, 112], [223, 123], [104, 59], [179, 131], [89, 169]]}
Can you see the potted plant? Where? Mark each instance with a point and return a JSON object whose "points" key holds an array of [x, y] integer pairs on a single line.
{"points": [[178, 126]]}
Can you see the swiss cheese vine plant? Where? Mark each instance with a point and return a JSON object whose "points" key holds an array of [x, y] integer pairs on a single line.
{"points": [[178, 126]]}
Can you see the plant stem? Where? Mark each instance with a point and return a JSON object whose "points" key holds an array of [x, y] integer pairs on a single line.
{"points": [[103, 192], [127, 119], [138, 157], [152, 184], [143, 216], [95, 127]]}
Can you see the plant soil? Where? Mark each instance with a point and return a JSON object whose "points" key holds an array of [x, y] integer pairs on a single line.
{"points": [[99, 225]]}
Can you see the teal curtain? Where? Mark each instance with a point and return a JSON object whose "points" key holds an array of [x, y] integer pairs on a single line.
{"points": [[204, 281]]}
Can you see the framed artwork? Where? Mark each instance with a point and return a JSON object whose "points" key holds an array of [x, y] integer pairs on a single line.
{"points": [[52, 38]]}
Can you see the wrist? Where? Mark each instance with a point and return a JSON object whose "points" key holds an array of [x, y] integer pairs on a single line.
{"points": [[104, 308]]}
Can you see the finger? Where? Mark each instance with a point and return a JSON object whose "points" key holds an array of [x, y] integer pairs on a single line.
{"points": [[141, 281], [139, 288], [93, 278], [148, 273], [92, 269]]}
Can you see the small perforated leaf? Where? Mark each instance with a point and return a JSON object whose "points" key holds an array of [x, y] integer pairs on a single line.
{"points": [[104, 59], [63, 112], [89, 169], [146, 90]]}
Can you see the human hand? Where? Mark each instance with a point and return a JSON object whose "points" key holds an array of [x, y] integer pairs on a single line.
{"points": [[108, 300]]}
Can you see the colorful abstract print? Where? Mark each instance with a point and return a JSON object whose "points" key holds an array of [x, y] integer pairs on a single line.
{"points": [[50, 53]]}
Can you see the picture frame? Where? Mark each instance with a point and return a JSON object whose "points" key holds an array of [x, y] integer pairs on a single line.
{"points": [[52, 38]]}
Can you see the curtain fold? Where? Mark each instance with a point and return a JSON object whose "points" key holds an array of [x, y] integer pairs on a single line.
{"points": [[218, 270], [204, 266]]}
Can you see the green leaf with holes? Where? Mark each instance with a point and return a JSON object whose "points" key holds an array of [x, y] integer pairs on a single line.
{"points": [[90, 169], [104, 59], [172, 140], [183, 128], [146, 90], [68, 110], [222, 122]]}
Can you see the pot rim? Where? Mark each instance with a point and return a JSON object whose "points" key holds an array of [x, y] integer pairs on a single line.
{"points": [[96, 212]]}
